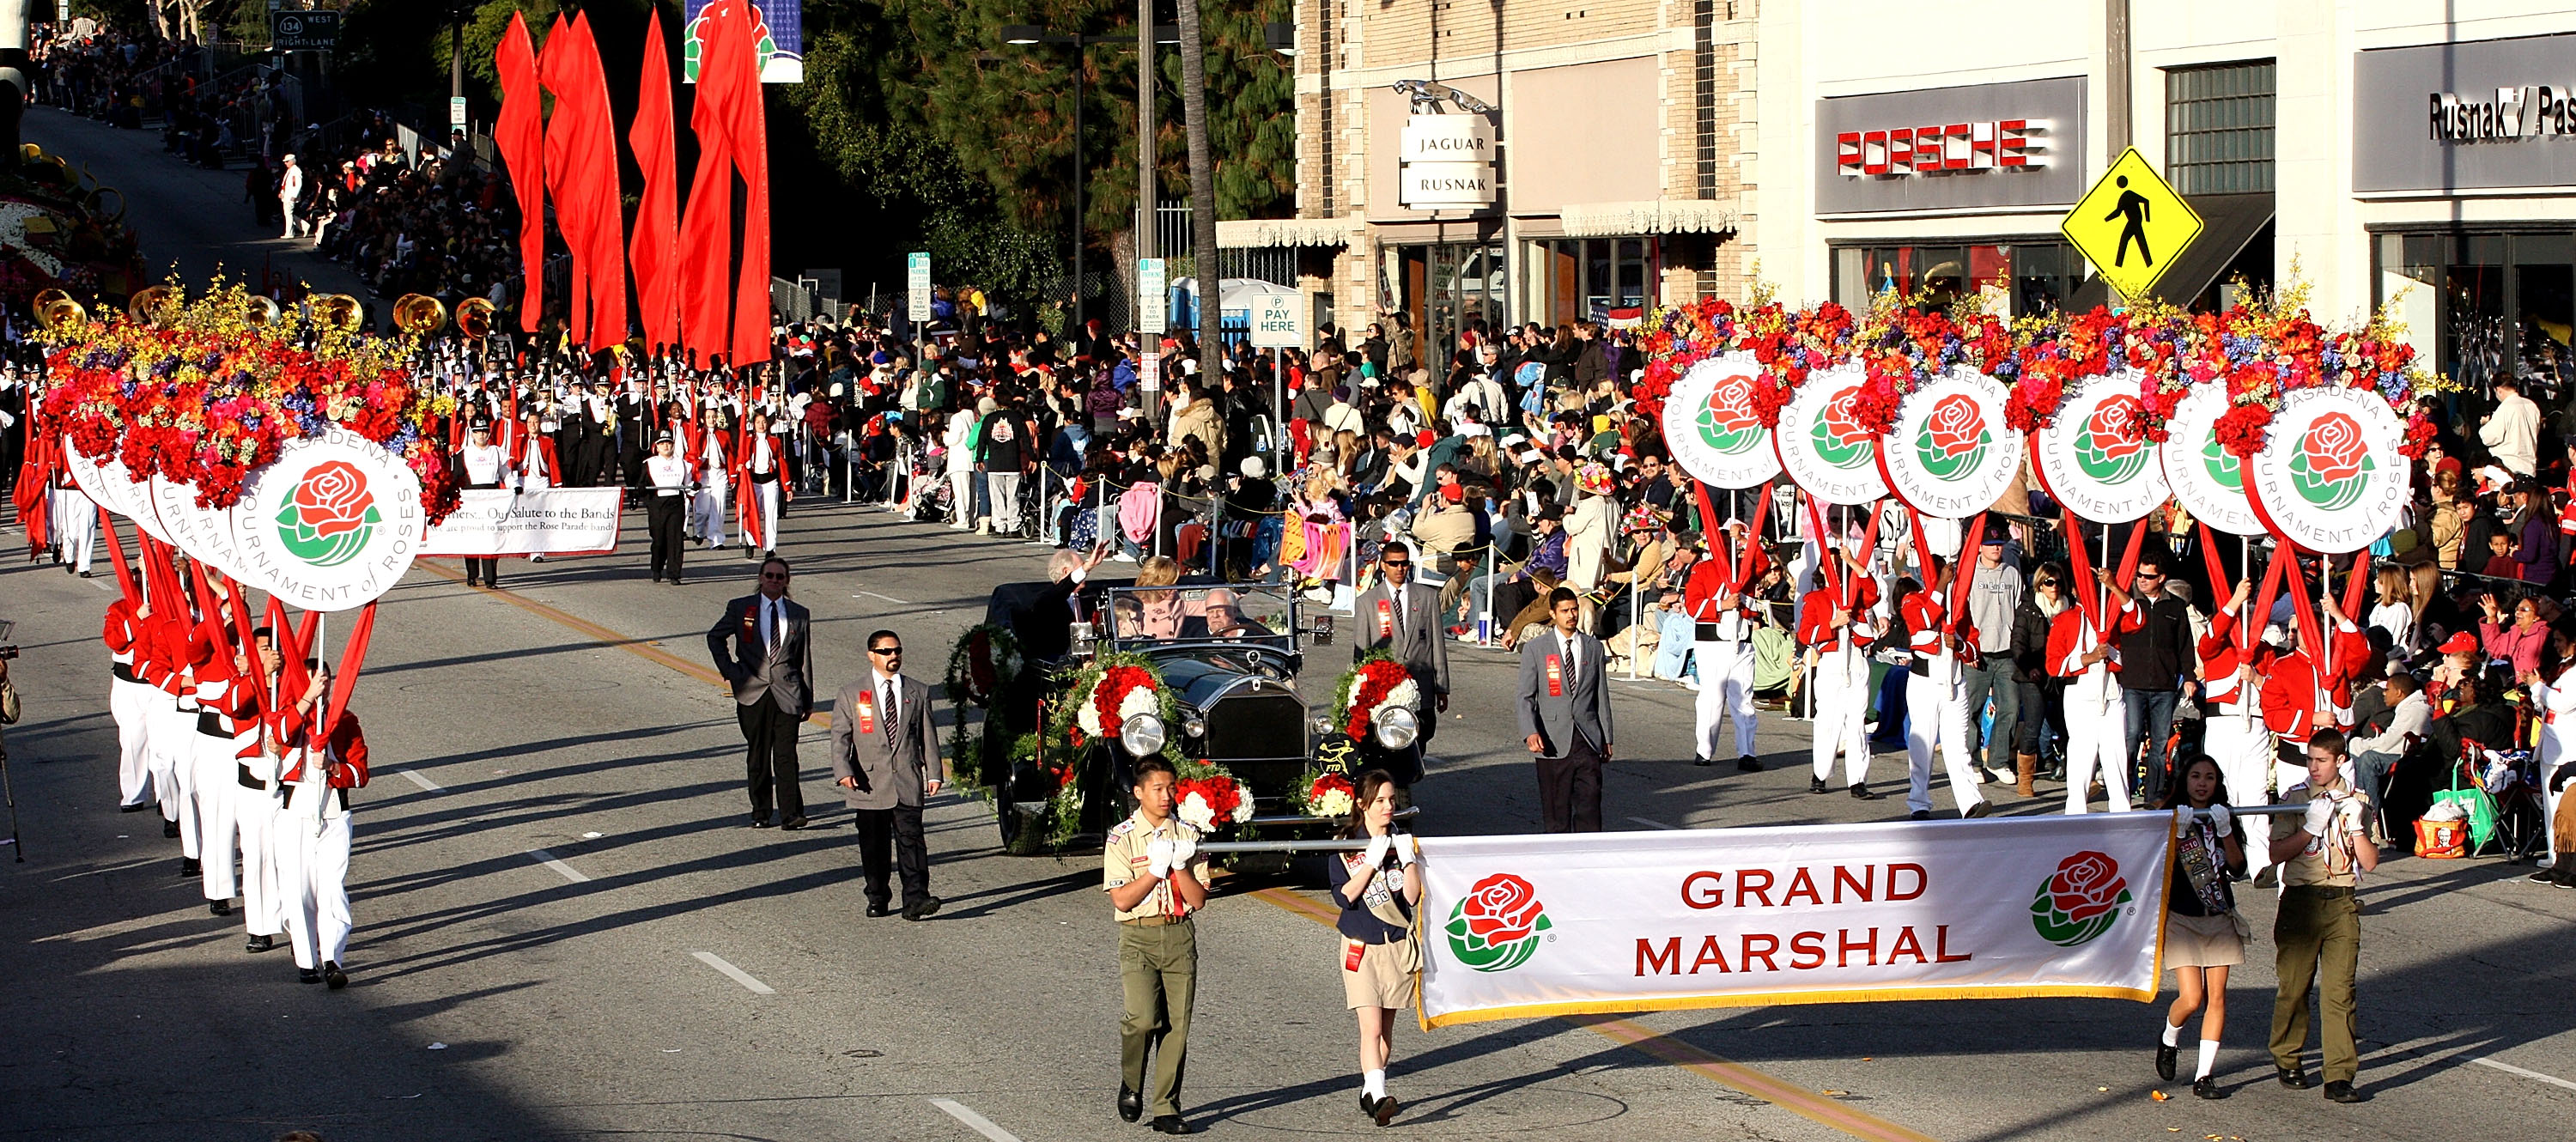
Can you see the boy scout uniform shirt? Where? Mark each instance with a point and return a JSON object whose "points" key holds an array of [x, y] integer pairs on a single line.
{"points": [[1123, 858], [2327, 861]]}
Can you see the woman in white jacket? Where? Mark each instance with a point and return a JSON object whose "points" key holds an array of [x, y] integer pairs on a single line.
{"points": [[2553, 693], [1587, 536], [960, 442]]}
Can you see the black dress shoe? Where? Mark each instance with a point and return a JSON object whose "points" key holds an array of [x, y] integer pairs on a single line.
{"points": [[2165, 1057], [1815, 785], [219, 907], [332, 975], [260, 944], [2207, 1087], [493, 582], [2341, 1090], [473, 582], [1368, 1105], [136, 808], [921, 909], [1702, 761], [1386, 1108], [2296, 1078], [760, 820], [1172, 1124], [1860, 792], [189, 866], [1749, 764], [878, 910], [657, 578], [307, 975], [1979, 809], [792, 823], [1131, 1105], [169, 828], [1919, 815], [676, 580]]}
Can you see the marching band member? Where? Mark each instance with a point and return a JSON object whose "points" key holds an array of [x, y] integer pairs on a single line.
{"points": [[223, 696], [482, 465], [74, 523], [129, 699], [312, 832], [666, 488], [1835, 621], [2082, 650], [715, 483], [1722, 622], [2301, 696], [760, 465], [1936, 697], [2235, 735]]}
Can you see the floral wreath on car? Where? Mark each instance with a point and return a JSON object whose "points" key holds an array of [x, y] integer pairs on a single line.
{"points": [[1102, 695], [1371, 687], [983, 664], [199, 393]]}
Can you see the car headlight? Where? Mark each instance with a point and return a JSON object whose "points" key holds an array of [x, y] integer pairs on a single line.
{"points": [[1142, 735], [1194, 726], [1396, 728], [1324, 727]]}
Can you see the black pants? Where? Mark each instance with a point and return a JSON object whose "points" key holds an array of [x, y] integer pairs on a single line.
{"points": [[1569, 790], [662, 515], [483, 570], [770, 763], [898, 828]]}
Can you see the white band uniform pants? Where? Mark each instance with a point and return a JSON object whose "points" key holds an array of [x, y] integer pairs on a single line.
{"points": [[1725, 687], [75, 522], [1842, 705], [765, 499], [255, 815], [212, 801], [2242, 747], [312, 879], [131, 704], [1938, 716], [2096, 736], [171, 742], [710, 523]]}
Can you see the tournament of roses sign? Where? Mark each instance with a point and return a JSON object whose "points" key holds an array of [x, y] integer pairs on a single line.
{"points": [[1822, 443], [203, 533], [1711, 428], [555, 521], [1949, 455], [2330, 477], [2095, 457], [2207, 478], [331, 525], [110, 487], [1560, 924]]}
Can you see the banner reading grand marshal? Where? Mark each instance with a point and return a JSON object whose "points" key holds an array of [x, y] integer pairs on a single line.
{"points": [[556, 521], [1515, 927]]}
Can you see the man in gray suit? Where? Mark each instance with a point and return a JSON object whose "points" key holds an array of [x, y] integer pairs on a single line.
{"points": [[761, 646], [885, 757], [1565, 716], [1404, 619]]}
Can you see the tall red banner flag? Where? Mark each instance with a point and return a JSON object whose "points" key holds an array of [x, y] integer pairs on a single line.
{"points": [[750, 133], [595, 151], [706, 225], [520, 134], [563, 152], [654, 251]]}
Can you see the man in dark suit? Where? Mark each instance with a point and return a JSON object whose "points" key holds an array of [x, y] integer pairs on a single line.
{"points": [[762, 646], [885, 757], [1403, 618], [1565, 717]]}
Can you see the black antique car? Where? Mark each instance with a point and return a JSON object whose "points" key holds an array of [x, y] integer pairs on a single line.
{"points": [[1230, 655]]}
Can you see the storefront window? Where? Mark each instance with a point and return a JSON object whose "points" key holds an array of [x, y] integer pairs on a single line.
{"points": [[1599, 278], [2543, 276], [2486, 305], [2016, 279], [1447, 287]]}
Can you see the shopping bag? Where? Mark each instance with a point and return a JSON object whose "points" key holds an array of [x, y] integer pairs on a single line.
{"points": [[2441, 840]]}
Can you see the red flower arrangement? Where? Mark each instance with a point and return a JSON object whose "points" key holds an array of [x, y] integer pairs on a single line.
{"points": [[1373, 681]]}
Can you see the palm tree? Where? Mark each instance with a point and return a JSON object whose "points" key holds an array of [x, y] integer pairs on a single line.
{"points": [[1203, 257]]}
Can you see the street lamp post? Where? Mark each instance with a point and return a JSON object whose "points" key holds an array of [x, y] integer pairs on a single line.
{"points": [[1025, 35]]}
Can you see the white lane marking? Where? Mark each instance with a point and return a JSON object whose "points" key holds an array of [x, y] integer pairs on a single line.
{"points": [[888, 598], [101, 584], [736, 974], [975, 1122], [2511, 1069], [570, 873], [423, 782], [1653, 824]]}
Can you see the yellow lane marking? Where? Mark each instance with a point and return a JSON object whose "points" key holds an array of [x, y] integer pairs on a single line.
{"points": [[1779, 1092], [1796, 1099]]}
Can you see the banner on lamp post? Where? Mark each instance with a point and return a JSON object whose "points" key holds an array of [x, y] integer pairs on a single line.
{"points": [[1522, 926], [554, 521]]}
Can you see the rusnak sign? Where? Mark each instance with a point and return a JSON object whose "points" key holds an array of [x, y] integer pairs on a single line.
{"points": [[1989, 146], [2488, 115], [1448, 162]]}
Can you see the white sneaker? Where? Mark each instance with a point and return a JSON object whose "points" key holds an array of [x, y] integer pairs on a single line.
{"points": [[1123, 557], [2005, 776], [984, 527], [1689, 683]]}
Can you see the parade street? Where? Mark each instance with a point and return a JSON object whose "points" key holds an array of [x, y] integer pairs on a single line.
{"points": [[564, 930]]}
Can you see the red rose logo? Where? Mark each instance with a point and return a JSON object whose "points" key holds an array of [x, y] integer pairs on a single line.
{"points": [[1956, 426], [1842, 419], [2332, 459], [1727, 423], [333, 499], [2086, 885], [1495, 927], [2117, 428]]}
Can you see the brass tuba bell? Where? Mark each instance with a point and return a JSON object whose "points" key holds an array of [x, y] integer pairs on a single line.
{"points": [[56, 307], [261, 309], [339, 310], [419, 314], [474, 317], [149, 298]]}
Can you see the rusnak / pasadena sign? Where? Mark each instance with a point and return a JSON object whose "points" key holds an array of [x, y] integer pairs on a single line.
{"points": [[1561, 924]]}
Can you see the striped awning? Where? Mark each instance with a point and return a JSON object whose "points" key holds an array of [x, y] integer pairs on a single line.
{"points": [[1653, 216], [1266, 233]]}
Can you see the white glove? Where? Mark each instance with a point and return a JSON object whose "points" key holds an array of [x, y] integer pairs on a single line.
{"points": [[1183, 849], [1377, 850], [2221, 819], [1408, 850], [1160, 852], [2321, 815]]}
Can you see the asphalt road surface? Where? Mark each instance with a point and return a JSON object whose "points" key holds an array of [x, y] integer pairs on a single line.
{"points": [[565, 931]]}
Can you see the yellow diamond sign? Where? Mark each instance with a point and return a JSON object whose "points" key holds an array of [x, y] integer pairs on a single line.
{"points": [[2131, 225]]}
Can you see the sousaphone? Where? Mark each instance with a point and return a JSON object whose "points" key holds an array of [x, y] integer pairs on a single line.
{"points": [[474, 317], [145, 301], [339, 310], [419, 314], [55, 307]]}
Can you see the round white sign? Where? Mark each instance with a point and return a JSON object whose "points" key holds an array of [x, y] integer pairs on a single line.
{"points": [[331, 525], [93, 481], [2330, 477], [1949, 455], [1710, 427], [2204, 475], [2095, 457], [1823, 446], [205, 534]]}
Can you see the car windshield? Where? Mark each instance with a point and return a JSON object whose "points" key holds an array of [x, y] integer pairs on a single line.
{"points": [[1199, 613]]}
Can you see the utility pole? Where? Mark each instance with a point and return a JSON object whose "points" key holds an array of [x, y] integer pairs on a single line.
{"points": [[1146, 215], [2115, 22]]}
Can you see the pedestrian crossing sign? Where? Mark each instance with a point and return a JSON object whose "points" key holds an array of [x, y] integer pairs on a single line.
{"points": [[2131, 225]]}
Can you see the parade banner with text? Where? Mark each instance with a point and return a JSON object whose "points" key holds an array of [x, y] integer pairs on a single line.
{"points": [[1515, 927], [556, 521]]}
